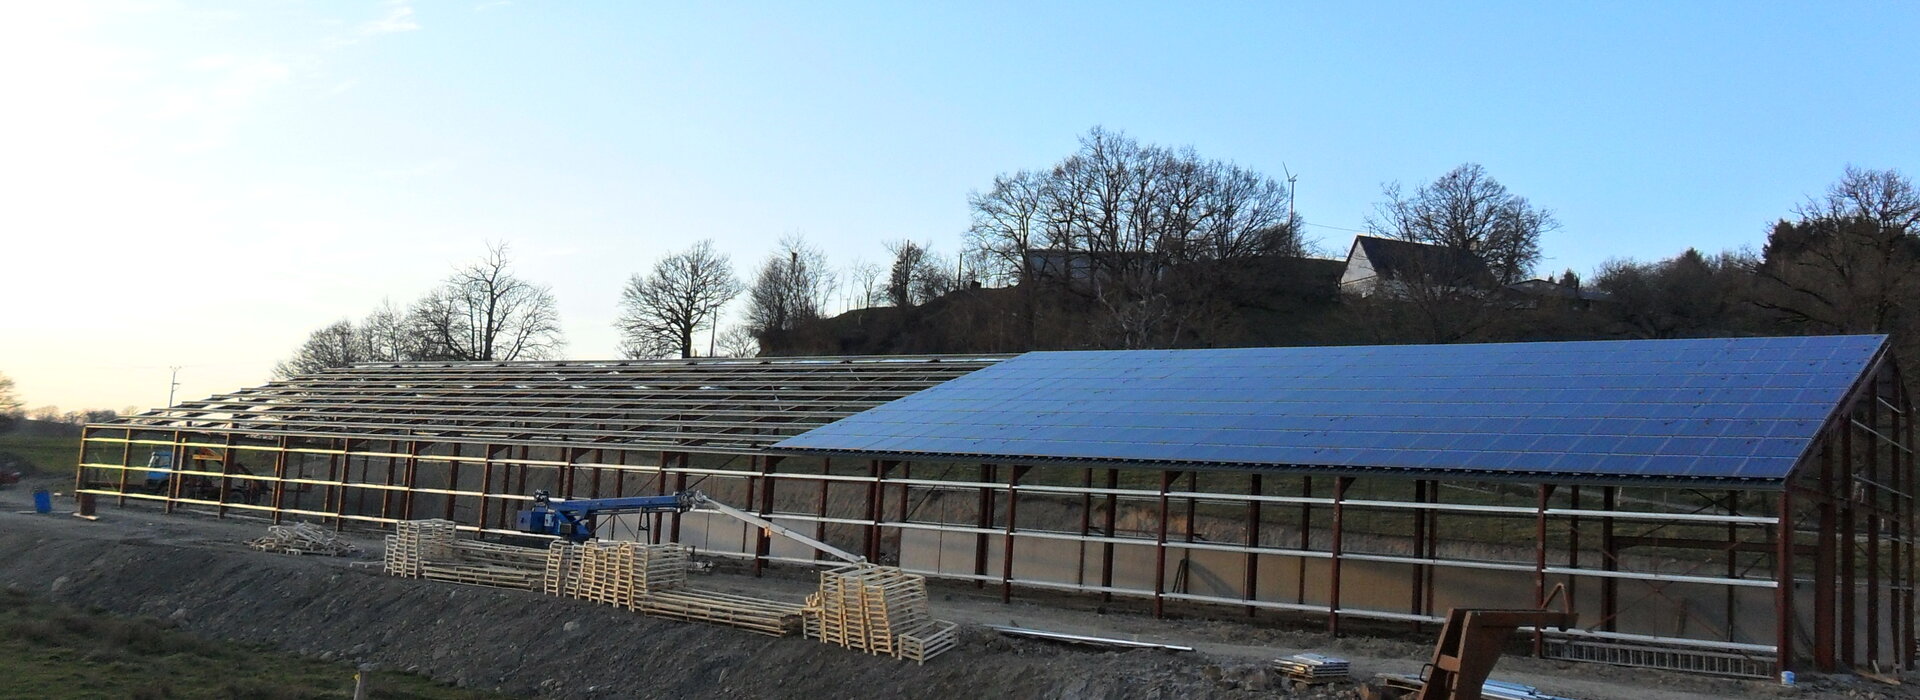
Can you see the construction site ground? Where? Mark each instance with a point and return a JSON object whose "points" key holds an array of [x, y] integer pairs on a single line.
{"points": [[196, 571]]}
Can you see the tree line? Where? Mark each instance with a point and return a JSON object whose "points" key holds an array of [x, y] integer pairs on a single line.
{"points": [[1123, 244]]}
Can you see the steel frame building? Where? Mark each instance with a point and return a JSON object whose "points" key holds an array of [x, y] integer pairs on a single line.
{"points": [[1813, 572]]}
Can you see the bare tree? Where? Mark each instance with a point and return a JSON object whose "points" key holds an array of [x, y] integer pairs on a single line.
{"points": [[336, 345], [792, 287], [10, 404], [9, 400], [1851, 262], [1148, 233], [917, 275], [867, 276], [661, 312], [484, 312], [739, 342], [1688, 295], [1468, 209], [386, 336], [1009, 222]]}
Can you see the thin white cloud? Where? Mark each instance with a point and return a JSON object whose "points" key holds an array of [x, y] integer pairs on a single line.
{"points": [[485, 6], [399, 19]]}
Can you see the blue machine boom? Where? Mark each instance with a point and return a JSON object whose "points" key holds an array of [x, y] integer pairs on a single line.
{"points": [[577, 519]]}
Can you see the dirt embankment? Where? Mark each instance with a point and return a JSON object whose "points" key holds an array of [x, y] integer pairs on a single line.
{"points": [[195, 571], [524, 643]]}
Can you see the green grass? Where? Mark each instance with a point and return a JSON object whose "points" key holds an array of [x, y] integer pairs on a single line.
{"points": [[47, 455], [52, 651]]}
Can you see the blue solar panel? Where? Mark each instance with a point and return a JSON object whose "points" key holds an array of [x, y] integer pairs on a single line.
{"points": [[1720, 408]]}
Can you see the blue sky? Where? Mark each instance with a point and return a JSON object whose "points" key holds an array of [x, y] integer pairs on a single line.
{"points": [[201, 184]]}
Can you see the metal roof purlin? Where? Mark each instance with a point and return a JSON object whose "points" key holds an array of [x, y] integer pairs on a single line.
{"points": [[726, 405]]}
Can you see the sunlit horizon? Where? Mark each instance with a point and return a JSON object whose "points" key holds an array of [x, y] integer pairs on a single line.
{"points": [[200, 185]]}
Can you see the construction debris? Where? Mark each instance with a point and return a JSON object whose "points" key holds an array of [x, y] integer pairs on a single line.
{"points": [[1101, 642], [1313, 668], [1403, 684], [301, 538], [878, 610]]}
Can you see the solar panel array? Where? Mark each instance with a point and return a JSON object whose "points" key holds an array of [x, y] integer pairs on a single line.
{"points": [[1714, 409]]}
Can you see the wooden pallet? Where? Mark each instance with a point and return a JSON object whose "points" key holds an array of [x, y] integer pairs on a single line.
{"points": [[878, 610], [753, 614], [561, 575], [500, 554], [481, 575], [928, 641]]}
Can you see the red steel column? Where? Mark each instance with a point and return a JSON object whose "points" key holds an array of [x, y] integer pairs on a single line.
{"points": [[1783, 594], [1252, 585], [1006, 546], [1160, 548], [1106, 549], [1848, 541], [1417, 590], [1873, 532], [1340, 485], [1540, 561], [1609, 561], [876, 470], [1306, 539], [279, 478], [1825, 551], [985, 522], [1911, 528], [762, 548]]}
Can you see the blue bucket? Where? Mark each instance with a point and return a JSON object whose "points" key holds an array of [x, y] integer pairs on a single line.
{"points": [[42, 501]]}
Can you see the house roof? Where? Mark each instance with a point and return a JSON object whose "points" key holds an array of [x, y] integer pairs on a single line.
{"points": [[1397, 259], [1726, 410]]}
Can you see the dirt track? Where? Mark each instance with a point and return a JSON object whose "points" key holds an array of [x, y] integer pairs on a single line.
{"points": [[193, 570]]}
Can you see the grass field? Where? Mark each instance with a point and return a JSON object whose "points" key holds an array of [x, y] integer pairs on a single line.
{"points": [[52, 651], [48, 455]]}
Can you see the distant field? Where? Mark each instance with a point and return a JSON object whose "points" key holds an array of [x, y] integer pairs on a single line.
{"points": [[53, 651], [48, 455]]}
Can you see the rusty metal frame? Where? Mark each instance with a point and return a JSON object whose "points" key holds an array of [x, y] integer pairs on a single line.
{"points": [[1853, 495]]}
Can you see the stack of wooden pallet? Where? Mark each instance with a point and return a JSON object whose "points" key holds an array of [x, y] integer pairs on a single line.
{"points": [[772, 617], [606, 574], [416, 542], [663, 567], [652, 579], [427, 549], [615, 573], [879, 610]]}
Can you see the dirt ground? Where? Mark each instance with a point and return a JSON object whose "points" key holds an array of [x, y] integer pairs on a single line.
{"points": [[196, 571]]}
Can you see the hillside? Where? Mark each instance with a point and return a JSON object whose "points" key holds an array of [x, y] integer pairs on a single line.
{"points": [[1280, 301]]}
